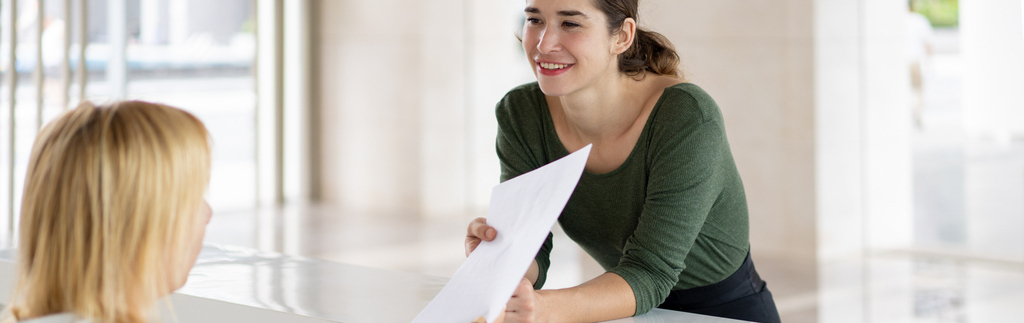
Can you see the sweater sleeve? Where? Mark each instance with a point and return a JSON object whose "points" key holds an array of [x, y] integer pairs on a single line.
{"points": [[687, 147], [518, 156]]}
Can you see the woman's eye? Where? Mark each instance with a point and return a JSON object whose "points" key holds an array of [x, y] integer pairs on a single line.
{"points": [[533, 21], [570, 24]]}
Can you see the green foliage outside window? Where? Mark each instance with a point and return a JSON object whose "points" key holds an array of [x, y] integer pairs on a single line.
{"points": [[942, 13]]}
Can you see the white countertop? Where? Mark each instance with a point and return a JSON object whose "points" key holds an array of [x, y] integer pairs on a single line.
{"points": [[245, 285]]}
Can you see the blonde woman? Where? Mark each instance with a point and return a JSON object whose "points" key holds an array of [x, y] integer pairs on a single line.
{"points": [[113, 214]]}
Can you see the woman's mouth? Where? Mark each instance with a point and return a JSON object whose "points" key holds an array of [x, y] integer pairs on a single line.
{"points": [[552, 66], [551, 69]]}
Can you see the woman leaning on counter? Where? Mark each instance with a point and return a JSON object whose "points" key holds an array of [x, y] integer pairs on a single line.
{"points": [[660, 204]]}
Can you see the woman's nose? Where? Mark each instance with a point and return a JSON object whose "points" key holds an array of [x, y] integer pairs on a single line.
{"points": [[548, 41]]}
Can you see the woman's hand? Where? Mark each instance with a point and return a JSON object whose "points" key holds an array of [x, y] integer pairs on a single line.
{"points": [[478, 231], [524, 306]]}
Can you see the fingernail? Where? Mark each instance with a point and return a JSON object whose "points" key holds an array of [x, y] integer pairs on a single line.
{"points": [[491, 233]]}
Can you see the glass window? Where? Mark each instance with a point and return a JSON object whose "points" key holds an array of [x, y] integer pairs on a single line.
{"points": [[196, 55]]}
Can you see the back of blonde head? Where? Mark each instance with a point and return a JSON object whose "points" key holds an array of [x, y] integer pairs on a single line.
{"points": [[110, 194]]}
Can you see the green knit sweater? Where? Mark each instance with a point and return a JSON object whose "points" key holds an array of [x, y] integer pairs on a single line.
{"points": [[672, 216]]}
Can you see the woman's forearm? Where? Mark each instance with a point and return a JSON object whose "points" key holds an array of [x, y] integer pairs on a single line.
{"points": [[606, 297]]}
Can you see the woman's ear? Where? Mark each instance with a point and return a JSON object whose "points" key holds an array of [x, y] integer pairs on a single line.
{"points": [[625, 36]]}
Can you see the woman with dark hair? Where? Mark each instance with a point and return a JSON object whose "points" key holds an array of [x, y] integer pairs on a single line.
{"points": [[660, 206]]}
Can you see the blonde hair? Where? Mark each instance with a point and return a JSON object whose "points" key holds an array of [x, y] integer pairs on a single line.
{"points": [[110, 198]]}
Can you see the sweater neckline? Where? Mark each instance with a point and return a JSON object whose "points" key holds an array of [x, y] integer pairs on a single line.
{"points": [[549, 124]]}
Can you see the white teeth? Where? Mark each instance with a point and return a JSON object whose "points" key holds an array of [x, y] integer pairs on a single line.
{"points": [[549, 66]]}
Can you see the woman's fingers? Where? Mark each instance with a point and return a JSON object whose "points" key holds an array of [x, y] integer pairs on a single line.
{"points": [[480, 229], [522, 297], [477, 231], [522, 307]]}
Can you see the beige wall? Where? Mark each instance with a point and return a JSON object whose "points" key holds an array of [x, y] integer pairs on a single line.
{"points": [[407, 90], [369, 86]]}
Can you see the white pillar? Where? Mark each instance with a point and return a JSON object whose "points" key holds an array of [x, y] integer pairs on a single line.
{"points": [[9, 237], [993, 55], [838, 160], [888, 125], [992, 48], [38, 72], [270, 108], [177, 27], [838, 129], [117, 39], [296, 93], [151, 17]]}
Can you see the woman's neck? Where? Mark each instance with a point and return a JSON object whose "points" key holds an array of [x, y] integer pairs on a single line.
{"points": [[603, 111]]}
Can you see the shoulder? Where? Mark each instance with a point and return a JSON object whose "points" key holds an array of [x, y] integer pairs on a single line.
{"points": [[523, 103], [527, 94], [688, 103], [687, 124]]}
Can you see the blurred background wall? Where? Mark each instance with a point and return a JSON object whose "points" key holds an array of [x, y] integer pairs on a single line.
{"points": [[408, 88]]}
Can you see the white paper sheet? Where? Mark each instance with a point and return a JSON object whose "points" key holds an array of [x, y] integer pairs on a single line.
{"points": [[522, 210]]}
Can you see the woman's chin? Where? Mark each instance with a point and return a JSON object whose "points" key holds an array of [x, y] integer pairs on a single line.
{"points": [[551, 88]]}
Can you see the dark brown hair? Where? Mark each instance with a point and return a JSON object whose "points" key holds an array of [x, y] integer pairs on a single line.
{"points": [[650, 52]]}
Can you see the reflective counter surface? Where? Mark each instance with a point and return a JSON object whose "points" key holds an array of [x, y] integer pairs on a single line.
{"points": [[241, 284]]}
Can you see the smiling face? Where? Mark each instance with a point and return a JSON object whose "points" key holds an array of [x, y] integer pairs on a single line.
{"points": [[568, 45]]}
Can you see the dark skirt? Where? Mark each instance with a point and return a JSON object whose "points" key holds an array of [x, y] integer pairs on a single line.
{"points": [[741, 296]]}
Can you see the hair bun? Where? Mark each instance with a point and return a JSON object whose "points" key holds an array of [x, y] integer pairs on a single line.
{"points": [[651, 52]]}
